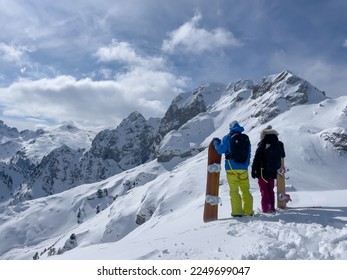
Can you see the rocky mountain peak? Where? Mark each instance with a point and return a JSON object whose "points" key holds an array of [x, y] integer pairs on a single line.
{"points": [[243, 84], [277, 93], [6, 131], [186, 106], [290, 87], [134, 117], [69, 127]]}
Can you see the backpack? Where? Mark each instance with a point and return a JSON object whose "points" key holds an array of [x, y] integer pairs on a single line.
{"points": [[239, 148]]}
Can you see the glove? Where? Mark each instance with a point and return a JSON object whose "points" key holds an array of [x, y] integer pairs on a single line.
{"points": [[216, 141], [283, 169]]}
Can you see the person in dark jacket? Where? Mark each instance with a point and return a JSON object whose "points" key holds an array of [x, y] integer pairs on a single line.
{"points": [[268, 159]]}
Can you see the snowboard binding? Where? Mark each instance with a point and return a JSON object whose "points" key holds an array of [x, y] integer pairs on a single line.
{"points": [[214, 168], [284, 197], [213, 200]]}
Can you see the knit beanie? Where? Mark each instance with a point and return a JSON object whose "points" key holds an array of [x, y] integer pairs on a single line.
{"points": [[267, 130]]}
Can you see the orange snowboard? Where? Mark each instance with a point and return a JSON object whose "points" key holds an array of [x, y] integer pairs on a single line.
{"points": [[212, 185]]}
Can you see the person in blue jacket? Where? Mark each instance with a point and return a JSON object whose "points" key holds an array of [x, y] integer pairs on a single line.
{"points": [[236, 173]]}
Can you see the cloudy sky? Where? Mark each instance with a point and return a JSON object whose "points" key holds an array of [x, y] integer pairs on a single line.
{"points": [[95, 62]]}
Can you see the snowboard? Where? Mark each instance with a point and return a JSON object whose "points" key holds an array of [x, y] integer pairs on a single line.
{"points": [[281, 190], [212, 184]]}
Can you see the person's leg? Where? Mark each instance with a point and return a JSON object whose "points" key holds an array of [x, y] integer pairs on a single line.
{"points": [[271, 186], [247, 197], [265, 195], [235, 198]]}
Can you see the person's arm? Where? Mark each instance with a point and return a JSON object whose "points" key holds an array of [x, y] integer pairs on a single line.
{"points": [[283, 167], [256, 165], [221, 146]]}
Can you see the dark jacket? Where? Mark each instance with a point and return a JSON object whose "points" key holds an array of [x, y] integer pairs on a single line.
{"points": [[267, 158]]}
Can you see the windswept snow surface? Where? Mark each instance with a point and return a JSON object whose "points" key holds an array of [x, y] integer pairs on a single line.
{"points": [[313, 227]]}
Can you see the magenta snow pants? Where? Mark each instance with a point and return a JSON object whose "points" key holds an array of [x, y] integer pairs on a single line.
{"points": [[267, 195]]}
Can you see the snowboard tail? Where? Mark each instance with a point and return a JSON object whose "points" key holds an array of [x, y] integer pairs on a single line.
{"points": [[281, 190], [212, 184]]}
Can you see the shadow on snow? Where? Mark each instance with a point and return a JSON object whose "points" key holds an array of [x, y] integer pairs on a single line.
{"points": [[325, 216]]}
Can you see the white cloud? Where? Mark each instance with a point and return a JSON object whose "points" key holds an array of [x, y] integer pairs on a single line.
{"points": [[97, 103], [12, 53], [327, 77], [119, 51], [124, 52], [345, 43], [192, 39], [146, 86]]}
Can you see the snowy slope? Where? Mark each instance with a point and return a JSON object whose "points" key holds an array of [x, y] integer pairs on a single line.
{"points": [[176, 229], [172, 194]]}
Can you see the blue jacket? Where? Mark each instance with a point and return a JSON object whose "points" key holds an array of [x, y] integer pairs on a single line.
{"points": [[223, 147]]}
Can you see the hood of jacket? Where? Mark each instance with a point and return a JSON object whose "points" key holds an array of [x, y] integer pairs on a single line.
{"points": [[236, 128]]}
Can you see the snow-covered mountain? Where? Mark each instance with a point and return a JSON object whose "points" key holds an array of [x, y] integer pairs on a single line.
{"points": [[64, 157], [34, 145], [137, 191]]}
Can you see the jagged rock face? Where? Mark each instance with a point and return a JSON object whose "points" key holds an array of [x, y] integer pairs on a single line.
{"points": [[21, 160], [117, 150], [337, 137], [111, 152], [147, 208], [277, 93], [6, 131], [58, 171], [184, 108], [10, 178], [263, 102], [239, 90], [144, 215], [131, 138], [177, 115], [275, 83], [182, 142]]}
